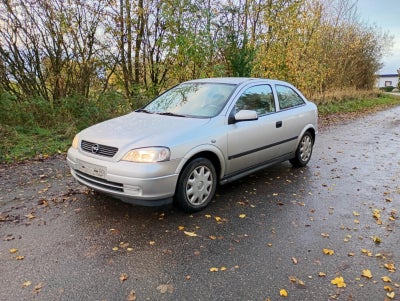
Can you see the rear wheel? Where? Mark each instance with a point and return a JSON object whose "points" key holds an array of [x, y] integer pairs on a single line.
{"points": [[196, 185], [303, 151]]}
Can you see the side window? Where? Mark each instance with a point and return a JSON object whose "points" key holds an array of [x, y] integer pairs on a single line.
{"points": [[257, 98], [287, 97]]}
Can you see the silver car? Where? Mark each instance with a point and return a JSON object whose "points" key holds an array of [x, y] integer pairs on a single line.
{"points": [[194, 136]]}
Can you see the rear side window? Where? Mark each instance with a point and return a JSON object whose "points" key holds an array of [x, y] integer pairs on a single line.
{"points": [[288, 98], [257, 98]]}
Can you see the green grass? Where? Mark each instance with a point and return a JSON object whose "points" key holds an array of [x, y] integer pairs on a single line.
{"points": [[21, 143], [364, 105], [29, 141]]}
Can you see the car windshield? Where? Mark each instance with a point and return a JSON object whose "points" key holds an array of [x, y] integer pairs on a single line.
{"points": [[191, 100]]}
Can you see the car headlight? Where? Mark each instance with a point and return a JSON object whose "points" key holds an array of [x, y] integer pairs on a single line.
{"points": [[75, 142], [148, 155]]}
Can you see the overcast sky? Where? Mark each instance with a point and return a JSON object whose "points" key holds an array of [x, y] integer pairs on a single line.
{"points": [[386, 15]]}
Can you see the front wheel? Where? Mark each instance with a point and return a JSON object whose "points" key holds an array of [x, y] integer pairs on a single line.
{"points": [[303, 151], [196, 185]]}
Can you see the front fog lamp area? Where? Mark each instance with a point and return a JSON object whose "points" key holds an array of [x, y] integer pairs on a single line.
{"points": [[148, 155]]}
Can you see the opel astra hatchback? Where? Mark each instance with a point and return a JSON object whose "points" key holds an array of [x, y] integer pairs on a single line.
{"points": [[194, 136]]}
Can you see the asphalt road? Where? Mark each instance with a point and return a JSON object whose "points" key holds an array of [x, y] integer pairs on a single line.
{"points": [[283, 230]]}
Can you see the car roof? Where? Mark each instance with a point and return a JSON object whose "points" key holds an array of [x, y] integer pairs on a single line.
{"points": [[234, 80]]}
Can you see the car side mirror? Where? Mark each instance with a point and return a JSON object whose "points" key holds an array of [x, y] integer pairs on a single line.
{"points": [[244, 115]]}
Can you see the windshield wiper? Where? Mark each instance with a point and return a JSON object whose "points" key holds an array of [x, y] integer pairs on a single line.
{"points": [[171, 114], [143, 111]]}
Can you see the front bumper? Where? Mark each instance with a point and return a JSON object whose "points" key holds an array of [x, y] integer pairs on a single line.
{"points": [[135, 183]]}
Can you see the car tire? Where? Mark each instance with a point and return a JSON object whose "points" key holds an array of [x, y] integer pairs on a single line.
{"points": [[303, 151], [196, 185]]}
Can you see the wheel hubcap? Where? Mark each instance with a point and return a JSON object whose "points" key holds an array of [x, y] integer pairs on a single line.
{"points": [[305, 148], [199, 185]]}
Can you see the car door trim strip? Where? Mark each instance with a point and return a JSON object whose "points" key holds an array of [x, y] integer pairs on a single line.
{"points": [[261, 148]]}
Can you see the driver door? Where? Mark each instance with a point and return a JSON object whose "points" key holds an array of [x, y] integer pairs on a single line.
{"points": [[251, 143]]}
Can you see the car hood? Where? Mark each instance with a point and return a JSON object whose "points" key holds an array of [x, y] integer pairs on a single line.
{"points": [[141, 130]]}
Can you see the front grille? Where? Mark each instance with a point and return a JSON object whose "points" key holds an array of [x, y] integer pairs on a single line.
{"points": [[98, 149], [98, 182]]}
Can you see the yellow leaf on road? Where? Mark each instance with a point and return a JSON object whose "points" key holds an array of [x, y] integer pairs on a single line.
{"points": [[213, 269], [386, 279], [366, 274], [388, 288], [12, 251], [391, 295], [123, 277], [339, 282], [390, 267], [26, 283], [328, 251], [192, 234], [283, 293], [242, 215]]}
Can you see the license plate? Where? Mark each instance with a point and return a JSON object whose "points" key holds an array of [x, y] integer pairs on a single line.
{"points": [[92, 169]]}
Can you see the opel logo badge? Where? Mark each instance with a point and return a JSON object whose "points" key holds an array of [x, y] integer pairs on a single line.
{"points": [[95, 148]]}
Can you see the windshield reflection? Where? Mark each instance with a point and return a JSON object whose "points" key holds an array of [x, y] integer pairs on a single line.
{"points": [[192, 100]]}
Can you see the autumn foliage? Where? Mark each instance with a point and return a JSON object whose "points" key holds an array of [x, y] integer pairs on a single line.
{"points": [[59, 49]]}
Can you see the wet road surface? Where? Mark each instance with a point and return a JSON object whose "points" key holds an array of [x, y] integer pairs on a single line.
{"points": [[287, 229]]}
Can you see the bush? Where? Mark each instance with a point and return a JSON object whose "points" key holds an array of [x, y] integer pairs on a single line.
{"points": [[387, 88]]}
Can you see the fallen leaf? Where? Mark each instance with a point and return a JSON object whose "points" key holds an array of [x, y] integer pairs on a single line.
{"points": [[152, 243], [164, 288], [386, 279], [115, 249], [129, 249], [26, 283], [123, 277], [294, 259], [339, 282], [213, 269], [207, 216], [191, 234], [181, 228], [20, 257], [131, 296], [30, 216], [222, 269], [390, 267], [356, 213], [12, 251], [328, 252], [283, 293], [38, 288], [326, 235], [366, 274], [391, 295], [388, 288], [376, 239], [242, 215], [321, 274], [212, 237]]}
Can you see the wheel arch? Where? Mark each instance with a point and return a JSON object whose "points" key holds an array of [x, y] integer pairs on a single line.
{"points": [[309, 128], [211, 153]]}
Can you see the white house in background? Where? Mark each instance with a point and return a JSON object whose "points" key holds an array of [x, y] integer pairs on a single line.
{"points": [[385, 80]]}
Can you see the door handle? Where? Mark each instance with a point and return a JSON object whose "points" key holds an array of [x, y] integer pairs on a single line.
{"points": [[278, 124]]}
